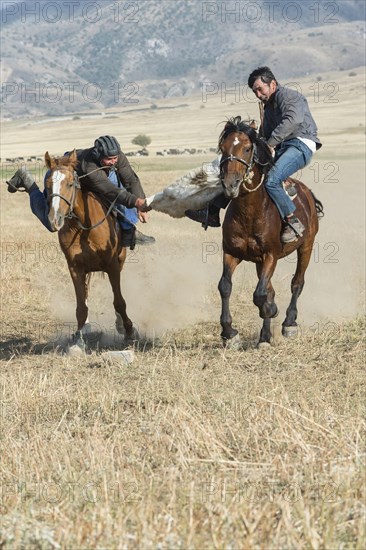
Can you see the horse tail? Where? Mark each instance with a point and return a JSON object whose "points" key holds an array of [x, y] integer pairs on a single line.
{"points": [[318, 206]]}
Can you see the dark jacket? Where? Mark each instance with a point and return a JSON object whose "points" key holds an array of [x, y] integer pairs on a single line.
{"points": [[97, 181], [287, 116]]}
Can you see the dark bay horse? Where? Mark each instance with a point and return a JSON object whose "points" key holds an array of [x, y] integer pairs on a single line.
{"points": [[252, 228], [89, 237]]}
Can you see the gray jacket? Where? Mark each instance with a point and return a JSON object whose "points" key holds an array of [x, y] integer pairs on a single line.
{"points": [[287, 116]]}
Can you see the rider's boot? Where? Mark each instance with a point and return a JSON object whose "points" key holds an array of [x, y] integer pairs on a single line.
{"points": [[22, 179], [294, 229], [142, 239], [207, 217]]}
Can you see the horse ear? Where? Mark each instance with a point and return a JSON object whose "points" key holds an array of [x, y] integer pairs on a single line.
{"points": [[73, 158], [253, 124], [49, 161]]}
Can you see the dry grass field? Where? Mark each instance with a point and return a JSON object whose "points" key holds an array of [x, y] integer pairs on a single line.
{"points": [[191, 446]]}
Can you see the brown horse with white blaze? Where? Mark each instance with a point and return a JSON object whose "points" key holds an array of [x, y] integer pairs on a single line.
{"points": [[252, 228], [89, 237]]}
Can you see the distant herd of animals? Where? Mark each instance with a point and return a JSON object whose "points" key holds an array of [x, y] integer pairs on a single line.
{"points": [[141, 153], [23, 159]]}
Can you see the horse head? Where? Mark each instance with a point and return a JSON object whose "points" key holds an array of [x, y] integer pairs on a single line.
{"points": [[62, 185], [244, 156]]}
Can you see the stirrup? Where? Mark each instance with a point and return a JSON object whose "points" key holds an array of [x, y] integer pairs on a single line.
{"points": [[297, 228], [293, 227]]}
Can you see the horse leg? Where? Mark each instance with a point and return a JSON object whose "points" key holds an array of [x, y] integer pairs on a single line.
{"points": [[122, 257], [79, 281], [123, 322], [225, 288], [263, 297], [289, 326], [87, 285], [80, 286]]}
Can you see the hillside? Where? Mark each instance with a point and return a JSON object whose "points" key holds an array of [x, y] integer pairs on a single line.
{"points": [[65, 57]]}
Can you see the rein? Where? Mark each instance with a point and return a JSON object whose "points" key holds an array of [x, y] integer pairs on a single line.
{"points": [[248, 176]]}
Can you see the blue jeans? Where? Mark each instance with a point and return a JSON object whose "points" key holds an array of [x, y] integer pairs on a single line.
{"points": [[129, 214], [39, 207], [291, 156]]}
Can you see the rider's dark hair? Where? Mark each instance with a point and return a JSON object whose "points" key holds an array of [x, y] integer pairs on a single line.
{"points": [[264, 73], [106, 146]]}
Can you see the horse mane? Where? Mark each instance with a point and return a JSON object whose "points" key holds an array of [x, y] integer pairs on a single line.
{"points": [[236, 124]]}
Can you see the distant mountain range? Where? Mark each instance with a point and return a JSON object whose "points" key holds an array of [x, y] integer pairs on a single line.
{"points": [[70, 56]]}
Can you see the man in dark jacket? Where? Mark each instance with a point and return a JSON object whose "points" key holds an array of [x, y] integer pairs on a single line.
{"points": [[116, 179], [291, 133]]}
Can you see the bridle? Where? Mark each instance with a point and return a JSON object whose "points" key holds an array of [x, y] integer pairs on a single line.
{"points": [[70, 203], [248, 175], [75, 188]]}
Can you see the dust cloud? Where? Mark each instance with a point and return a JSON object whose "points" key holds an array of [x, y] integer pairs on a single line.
{"points": [[164, 288]]}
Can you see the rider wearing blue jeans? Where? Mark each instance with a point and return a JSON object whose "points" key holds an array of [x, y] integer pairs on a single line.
{"points": [[106, 172], [290, 156], [291, 133]]}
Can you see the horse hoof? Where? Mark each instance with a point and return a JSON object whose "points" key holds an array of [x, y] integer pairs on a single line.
{"points": [[232, 343], [86, 328], [133, 336], [77, 347], [90, 336], [289, 332], [76, 350], [263, 345]]}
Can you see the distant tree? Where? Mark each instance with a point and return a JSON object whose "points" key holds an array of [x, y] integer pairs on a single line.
{"points": [[141, 140]]}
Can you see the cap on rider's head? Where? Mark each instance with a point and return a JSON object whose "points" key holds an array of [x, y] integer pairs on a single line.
{"points": [[106, 146]]}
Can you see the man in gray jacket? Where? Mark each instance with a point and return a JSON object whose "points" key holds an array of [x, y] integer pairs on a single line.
{"points": [[291, 133]]}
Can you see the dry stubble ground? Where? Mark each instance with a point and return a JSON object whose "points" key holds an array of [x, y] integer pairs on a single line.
{"points": [[191, 446]]}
